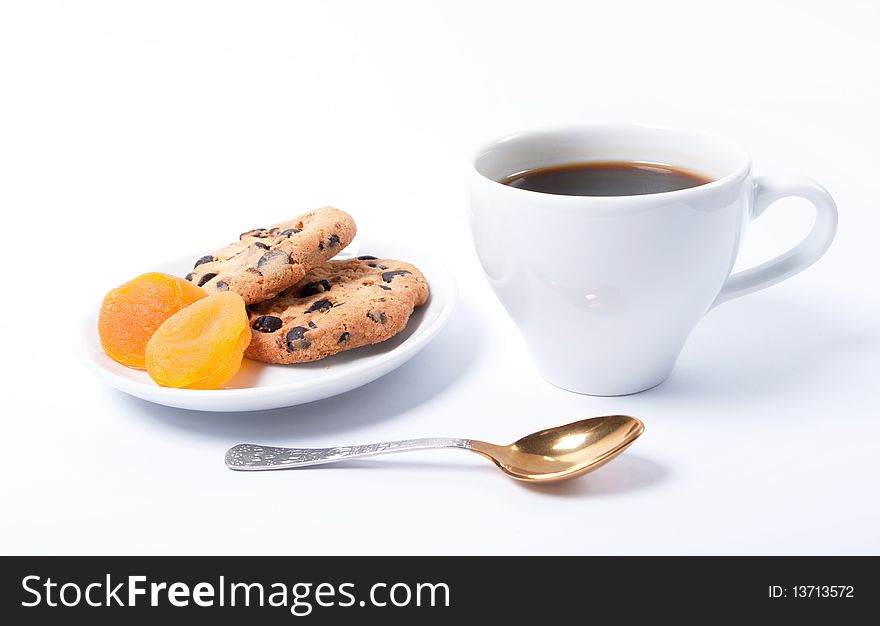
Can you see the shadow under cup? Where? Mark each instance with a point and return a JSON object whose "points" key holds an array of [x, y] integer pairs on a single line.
{"points": [[605, 290]]}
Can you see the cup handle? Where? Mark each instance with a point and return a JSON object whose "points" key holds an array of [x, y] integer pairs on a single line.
{"points": [[769, 189]]}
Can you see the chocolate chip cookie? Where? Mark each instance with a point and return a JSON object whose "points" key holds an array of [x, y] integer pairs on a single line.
{"points": [[265, 261], [336, 307]]}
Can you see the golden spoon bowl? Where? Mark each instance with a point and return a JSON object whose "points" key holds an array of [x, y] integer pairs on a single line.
{"points": [[566, 451]]}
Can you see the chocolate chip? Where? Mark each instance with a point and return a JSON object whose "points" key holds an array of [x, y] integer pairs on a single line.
{"points": [[256, 232], [319, 305], [260, 244], [295, 339], [319, 286], [385, 287], [333, 241], [221, 285], [273, 259], [383, 267], [189, 276], [289, 232], [266, 324], [344, 337], [205, 259], [371, 265], [206, 278], [312, 324], [297, 332], [378, 317], [274, 230], [367, 257], [389, 276]]}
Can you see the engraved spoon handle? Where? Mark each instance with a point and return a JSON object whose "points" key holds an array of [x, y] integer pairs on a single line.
{"points": [[248, 456]]}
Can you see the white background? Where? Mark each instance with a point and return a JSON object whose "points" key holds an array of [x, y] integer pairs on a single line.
{"points": [[134, 132]]}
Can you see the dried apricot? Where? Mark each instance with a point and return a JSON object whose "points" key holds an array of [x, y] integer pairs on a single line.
{"points": [[201, 346], [132, 312]]}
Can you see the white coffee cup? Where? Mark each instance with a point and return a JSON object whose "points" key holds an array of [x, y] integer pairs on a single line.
{"points": [[606, 290]]}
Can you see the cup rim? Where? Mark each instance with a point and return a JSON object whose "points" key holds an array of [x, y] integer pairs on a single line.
{"points": [[740, 172]]}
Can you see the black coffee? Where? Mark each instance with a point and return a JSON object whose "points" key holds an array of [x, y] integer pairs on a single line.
{"points": [[618, 178]]}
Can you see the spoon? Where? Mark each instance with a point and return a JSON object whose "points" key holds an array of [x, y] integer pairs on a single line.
{"points": [[557, 453]]}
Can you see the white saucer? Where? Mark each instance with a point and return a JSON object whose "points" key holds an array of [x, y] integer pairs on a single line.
{"points": [[260, 386]]}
